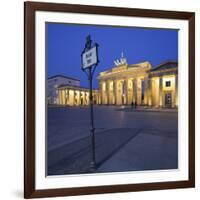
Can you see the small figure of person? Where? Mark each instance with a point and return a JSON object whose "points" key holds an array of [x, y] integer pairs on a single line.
{"points": [[132, 104], [135, 104]]}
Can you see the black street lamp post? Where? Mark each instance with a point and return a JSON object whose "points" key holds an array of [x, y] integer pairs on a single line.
{"points": [[89, 62]]}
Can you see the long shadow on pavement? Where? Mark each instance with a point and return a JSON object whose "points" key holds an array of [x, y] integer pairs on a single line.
{"points": [[75, 158]]}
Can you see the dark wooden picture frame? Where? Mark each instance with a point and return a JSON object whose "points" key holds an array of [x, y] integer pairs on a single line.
{"points": [[29, 107]]}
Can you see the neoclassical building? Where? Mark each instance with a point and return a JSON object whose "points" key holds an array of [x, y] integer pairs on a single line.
{"points": [[126, 84], [75, 95], [139, 83], [56, 81]]}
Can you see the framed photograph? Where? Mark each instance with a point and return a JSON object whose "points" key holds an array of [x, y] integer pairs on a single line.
{"points": [[109, 99]]}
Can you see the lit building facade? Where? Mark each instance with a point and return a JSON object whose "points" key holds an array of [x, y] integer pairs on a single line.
{"points": [[126, 84], [164, 85], [75, 96], [56, 81]]}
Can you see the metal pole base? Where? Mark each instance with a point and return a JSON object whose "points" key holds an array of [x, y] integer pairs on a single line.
{"points": [[92, 166]]}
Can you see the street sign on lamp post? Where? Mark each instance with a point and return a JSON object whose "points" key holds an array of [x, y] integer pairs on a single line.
{"points": [[89, 59]]}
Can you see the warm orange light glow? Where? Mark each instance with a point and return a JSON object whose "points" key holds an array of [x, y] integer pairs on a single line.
{"points": [[111, 85], [130, 84], [71, 97], [155, 91], [104, 86]]}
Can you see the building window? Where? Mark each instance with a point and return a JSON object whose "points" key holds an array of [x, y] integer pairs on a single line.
{"points": [[168, 83]]}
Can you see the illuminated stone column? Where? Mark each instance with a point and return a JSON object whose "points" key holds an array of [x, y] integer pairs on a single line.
{"points": [[60, 91], [111, 92], [121, 92], [129, 91], [139, 91], [123, 89], [114, 92], [95, 97], [126, 91], [176, 90], [146, 91], [100, 93], [74, 99], [82, 98], [88, 98], [63, 97], [161, 92], [149, 92], [108, 92], [71, 97], [133, 91], [68, 97], [104, 93], [59, 97], [85, 98], [118, 92], [79, 97]]}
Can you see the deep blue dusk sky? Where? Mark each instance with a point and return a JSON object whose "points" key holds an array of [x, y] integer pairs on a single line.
{"points": [[65, 43]]}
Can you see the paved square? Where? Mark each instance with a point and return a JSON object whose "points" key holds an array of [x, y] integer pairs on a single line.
{"points": [[126, 139]]}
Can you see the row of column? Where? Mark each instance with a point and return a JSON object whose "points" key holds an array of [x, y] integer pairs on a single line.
{"points": [[153, 93], [121, 92], [72, 97]]}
